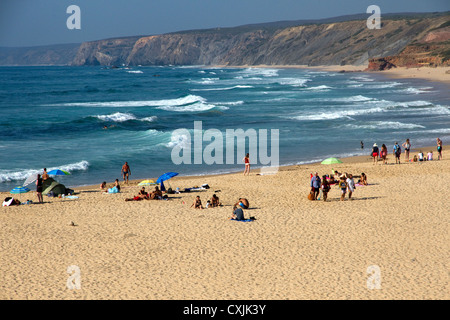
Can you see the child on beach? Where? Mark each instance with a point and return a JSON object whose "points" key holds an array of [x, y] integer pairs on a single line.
{"points": [[343, 186], [350, 186], [430, 156], [397, 152], [420, 156]]}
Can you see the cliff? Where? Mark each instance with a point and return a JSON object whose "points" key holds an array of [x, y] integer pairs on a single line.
{"points": [[62, 54], [331, 43]]}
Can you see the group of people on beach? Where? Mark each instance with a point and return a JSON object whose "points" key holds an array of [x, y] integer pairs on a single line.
{"points": [[212, 203], [346, 184], [381, 153]]}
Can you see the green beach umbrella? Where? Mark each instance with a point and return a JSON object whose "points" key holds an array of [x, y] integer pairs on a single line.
{"points": [[331, 161]]}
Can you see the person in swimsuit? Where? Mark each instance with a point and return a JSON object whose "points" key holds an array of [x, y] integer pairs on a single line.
{"points": [[45, 174], [375, 153], [125, 172], [439, 148], [247, 164], [397, 151], [407, 146], [343, 186], [197, 203], [243, 203], [383, 153], [39, 188]]}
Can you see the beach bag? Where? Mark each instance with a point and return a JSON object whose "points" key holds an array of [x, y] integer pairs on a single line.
{"points": [[311, 196]]}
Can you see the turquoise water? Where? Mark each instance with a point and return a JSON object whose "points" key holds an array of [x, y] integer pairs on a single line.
{"points": [[54, 117]]}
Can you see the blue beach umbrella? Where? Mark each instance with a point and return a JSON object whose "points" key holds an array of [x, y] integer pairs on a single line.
{"points": [[19, 190], [58, 172], [164, 177]]}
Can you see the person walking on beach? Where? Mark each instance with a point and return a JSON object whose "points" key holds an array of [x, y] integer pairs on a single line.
{"points": [[315, 185], [343, 186], [325, 187], [375, 153], [407, 146], [383, 153], [439, 148], [125, 172], [39, 188], [350, 186], [397, 152], [247, 164]]}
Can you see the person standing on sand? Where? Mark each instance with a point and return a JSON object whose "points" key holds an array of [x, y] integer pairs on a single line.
{"points": [[325, 188], [45, 175], [343, 186], [125, 172], [397, 152], [39, 188], [350, 186], [407, 146], [375, 153], [439, 148], [247, 164], [315, 185], [383, 153]]}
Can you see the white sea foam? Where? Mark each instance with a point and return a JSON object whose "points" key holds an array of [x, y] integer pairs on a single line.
{"points": [[320, 88], [194, 107], [383, 125], [22, 174], [225, 88], [295, 82], [336, 114], [135, 71], [143, 103], [264, 72], [116, 117], [419, 90]]}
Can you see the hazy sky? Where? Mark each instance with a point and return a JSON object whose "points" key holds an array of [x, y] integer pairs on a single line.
{"points": [[41, 22]]}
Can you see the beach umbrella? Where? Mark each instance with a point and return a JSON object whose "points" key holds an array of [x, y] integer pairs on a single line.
{"points": [[331, 161], [164, 177], [19, 190], [31, 178], [58, 172], [147, 183]]}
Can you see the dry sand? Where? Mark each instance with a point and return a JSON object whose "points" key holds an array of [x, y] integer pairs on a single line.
{"points": [[296, 249]]}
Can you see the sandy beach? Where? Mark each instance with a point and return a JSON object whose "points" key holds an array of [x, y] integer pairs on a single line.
{"points": [[439, 74], [295, 249]]}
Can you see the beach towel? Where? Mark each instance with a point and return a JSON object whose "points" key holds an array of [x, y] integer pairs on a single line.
{"points": [[71, 197], [113, 190], [245, 220]]}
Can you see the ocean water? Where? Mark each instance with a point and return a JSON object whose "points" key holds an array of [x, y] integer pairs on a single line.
{"points": [[54, 117]]}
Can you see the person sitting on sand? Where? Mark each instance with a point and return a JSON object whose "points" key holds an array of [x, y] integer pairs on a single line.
{"points": [[197, 203], [156, 194], [325, 188], [103, 185], [343, 186], [215, 201], [243, 203], [420, 156], [238, 213], [143, 194], [430, 156], [363, 179]]}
